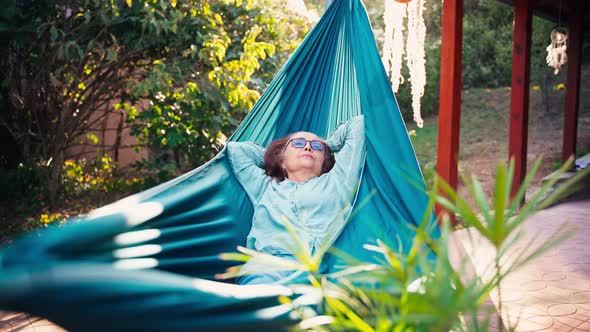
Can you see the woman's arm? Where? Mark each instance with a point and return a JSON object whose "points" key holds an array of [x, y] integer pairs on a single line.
{"points": [[246, 160], [348, 141]]}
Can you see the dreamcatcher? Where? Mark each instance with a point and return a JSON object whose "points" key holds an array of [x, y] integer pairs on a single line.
{"points": [[556, 51]]}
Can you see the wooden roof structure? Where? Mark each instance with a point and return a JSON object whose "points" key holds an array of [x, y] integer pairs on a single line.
{"points": [[556, 10]]}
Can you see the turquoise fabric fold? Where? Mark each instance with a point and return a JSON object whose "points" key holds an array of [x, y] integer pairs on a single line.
{"points": [[143, 263]]}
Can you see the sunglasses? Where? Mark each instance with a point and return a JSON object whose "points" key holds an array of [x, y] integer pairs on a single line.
{"points": [[301, 142]]}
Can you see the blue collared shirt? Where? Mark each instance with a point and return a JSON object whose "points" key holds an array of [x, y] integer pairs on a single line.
{"points": [[316, 208]]}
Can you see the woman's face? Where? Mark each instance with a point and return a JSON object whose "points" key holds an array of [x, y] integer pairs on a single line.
{"points": [[304, 158]]}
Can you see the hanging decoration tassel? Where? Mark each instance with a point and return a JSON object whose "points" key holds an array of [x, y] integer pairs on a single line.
{"points": [[415, 55], [393, 48], [393, 42], [556, 51]]}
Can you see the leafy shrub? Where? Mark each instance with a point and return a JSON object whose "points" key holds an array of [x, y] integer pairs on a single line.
{"points": [[23, 184], [154, 173], [102, 175], [48, 219], [65, 62], [80, 176]]}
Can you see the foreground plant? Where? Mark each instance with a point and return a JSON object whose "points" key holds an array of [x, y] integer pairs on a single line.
{"points": [[501, 223], [420, 290]]}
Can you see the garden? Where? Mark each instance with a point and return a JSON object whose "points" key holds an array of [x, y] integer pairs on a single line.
{"points": [[179, 77]]}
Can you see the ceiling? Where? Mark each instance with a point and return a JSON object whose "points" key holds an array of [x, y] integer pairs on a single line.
{"points": [[551, 9]]}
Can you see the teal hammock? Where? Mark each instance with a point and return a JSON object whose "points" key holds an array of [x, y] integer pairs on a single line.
{"points": [[146, 263]]}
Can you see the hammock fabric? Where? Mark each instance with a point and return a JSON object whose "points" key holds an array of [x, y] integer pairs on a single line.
{"points": [[146, 263]]}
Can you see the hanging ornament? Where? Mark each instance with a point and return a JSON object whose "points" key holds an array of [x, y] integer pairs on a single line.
{"points": [[556, 51], [393, 48], [393, 42]]}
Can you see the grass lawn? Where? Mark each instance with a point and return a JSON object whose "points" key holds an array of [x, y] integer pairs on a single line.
{"points": [[485, 129]]}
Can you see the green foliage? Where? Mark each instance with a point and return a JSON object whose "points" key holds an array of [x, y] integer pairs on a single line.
{"points": [[487, 44], [67, 64], [238, 47], [487, 47], [81, 175], [411, 292], [25, 183], [101, 175], [48, 219]]}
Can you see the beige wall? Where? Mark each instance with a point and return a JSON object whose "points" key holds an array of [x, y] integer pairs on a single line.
{"points": [[107, 129]]}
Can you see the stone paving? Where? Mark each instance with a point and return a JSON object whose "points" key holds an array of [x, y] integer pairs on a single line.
{"points": [[13, 322], [550, 294], [553, 292]]}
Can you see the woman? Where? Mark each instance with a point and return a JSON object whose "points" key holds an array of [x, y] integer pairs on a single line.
{"points": [[299, 179]]}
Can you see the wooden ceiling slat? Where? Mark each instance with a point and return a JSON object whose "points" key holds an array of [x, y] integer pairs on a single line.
{"points": [[550, 9]]}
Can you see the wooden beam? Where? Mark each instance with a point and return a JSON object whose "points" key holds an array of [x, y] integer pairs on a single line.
{"points": [[519, 101], [572, 94], [449, 115]]}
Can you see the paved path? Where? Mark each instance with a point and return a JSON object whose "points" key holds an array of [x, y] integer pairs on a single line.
{"points": [[551, 294], [13, 322]]}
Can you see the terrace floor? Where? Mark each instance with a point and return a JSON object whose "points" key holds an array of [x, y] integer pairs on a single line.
{"points": [[552, 293]]}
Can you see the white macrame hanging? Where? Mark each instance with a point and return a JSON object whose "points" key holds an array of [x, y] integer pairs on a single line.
{"points": [[393, 48], [556, 51]]}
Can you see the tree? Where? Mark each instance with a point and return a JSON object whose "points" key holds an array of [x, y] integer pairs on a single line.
{"points": [[487, 44], [192, 115], [67, 65]]}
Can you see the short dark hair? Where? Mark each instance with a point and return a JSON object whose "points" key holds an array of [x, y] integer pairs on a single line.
{"points": [[273, 157]]}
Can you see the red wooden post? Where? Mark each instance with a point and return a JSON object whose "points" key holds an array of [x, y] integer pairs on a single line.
{"points": [[449, 114], [572, 94], [519, 101]]}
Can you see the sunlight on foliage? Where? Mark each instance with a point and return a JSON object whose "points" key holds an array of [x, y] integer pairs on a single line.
{"points": [[50, 218], [72, 61], [82, 175]]}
